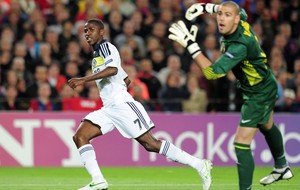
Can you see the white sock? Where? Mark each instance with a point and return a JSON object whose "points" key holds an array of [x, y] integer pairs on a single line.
{"points": [[280, 170], [177, 155], [88, 158]]}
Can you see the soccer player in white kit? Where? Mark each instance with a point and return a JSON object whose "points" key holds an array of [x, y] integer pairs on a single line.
{"points": [[120, 111]]}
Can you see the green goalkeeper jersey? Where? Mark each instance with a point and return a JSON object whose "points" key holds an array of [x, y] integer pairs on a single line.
{"points": [[242, 54]]}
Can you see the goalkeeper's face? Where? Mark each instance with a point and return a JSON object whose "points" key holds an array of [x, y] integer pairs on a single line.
{"points": [[228, 19]]}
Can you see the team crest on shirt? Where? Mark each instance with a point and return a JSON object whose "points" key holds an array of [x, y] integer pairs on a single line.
{"points": [[222, 48]]}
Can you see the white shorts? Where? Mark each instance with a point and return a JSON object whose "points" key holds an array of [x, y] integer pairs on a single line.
{"points": [[130, 118]]}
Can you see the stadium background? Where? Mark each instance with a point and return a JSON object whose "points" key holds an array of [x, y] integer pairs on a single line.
{"points": [[42, 45], [42, 42]]}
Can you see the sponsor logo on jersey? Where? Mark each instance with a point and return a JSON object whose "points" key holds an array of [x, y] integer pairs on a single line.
{"points": [[109, 61]]}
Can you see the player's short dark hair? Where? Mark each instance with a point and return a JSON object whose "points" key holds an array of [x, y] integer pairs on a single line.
{"points": [[232, 4], [96, 21]]}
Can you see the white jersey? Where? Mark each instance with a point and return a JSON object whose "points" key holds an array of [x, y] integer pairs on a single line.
{"points": [[113, 89], [120, 110]]}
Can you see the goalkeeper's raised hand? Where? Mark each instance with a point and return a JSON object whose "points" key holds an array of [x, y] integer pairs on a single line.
{"points": [[199, 9], [180, 34]]}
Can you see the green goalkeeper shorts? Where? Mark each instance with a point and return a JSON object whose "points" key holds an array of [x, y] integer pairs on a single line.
{"points": [[259, 104]]}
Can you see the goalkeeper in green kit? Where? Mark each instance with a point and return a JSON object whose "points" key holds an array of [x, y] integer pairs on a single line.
{"points": [[242, 54]]}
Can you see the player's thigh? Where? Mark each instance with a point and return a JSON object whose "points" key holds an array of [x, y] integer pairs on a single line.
{"points": [[256, 112], [100, 120], [87, 130], [259, 105], [269, 124], [245, 135], [131, 119]]}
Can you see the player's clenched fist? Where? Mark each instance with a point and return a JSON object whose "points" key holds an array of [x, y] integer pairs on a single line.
{"points": [[74, 82]]}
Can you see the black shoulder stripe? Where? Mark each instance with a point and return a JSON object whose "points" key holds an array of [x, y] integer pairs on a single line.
{"points": [[104, 50], [106, 44]]}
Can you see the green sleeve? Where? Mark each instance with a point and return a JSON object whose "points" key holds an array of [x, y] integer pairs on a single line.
{"points": [[210, 74], [234, 55]]}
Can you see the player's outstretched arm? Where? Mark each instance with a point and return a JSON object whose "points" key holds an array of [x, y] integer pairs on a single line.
{"points": [[199, 9], [107, 72]]}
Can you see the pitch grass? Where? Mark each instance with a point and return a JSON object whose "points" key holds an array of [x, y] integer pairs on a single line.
{"points": [[134, 178]]}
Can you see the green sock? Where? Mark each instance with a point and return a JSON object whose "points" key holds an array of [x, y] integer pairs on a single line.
{"points": [[275, 142], [245, 165]]}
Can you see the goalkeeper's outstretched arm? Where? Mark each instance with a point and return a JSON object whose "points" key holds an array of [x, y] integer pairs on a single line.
{"points": [[187, 38]]}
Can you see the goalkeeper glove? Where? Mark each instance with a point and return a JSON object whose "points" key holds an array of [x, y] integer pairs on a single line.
{"points": [[199, 9], [187, 39]]}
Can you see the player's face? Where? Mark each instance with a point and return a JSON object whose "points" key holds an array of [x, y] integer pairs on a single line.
{"points": [[227, 20], [93, 33]]}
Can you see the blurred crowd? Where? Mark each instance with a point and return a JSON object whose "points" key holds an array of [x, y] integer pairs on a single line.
{"points": [[42, 45]]}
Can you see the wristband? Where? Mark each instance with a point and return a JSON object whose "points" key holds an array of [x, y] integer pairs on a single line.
{"points": [[194, 49], [211, 8]]}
